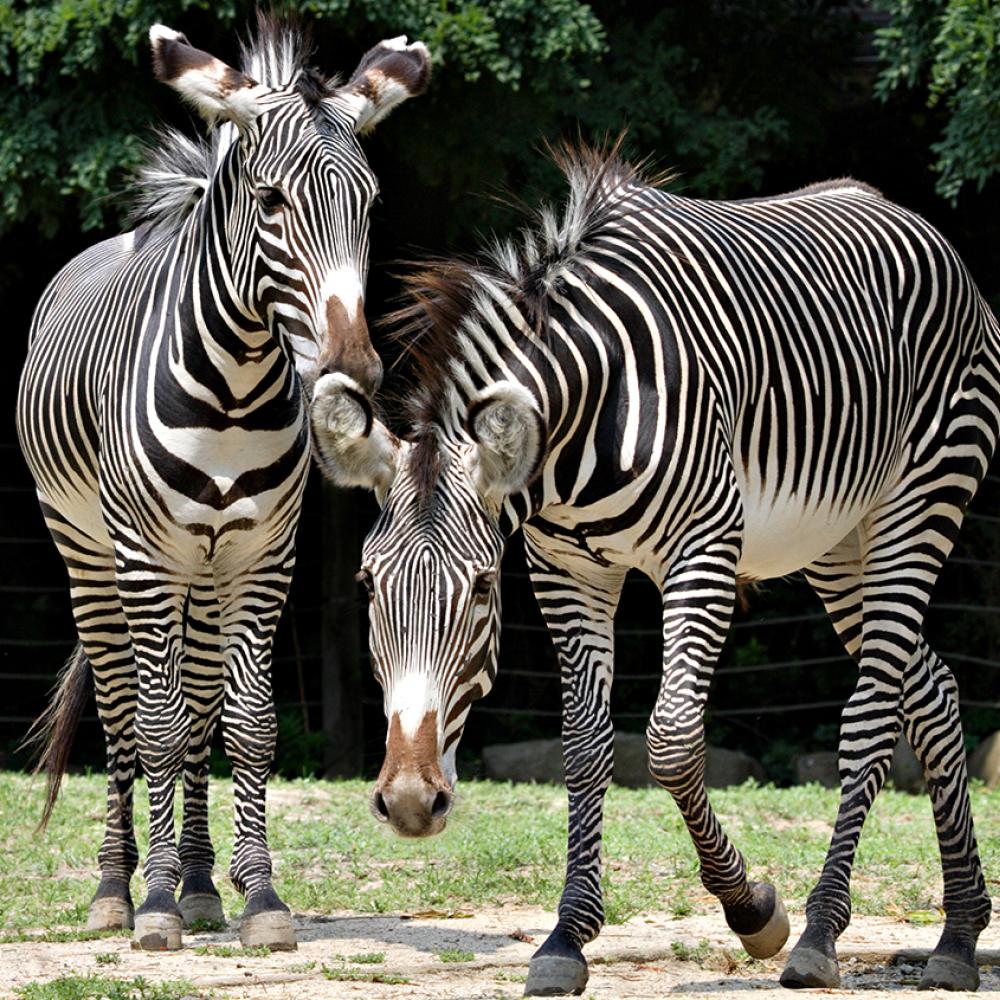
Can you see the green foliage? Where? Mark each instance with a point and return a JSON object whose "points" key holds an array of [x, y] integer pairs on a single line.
{"points": [[953, 48], [103, 988], [299, 752]]}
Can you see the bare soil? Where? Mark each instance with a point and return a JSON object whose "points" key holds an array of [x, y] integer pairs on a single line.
{"points": [[649, 956]]}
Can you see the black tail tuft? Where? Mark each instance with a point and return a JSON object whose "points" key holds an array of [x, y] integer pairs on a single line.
{"points": [[55, 728]]}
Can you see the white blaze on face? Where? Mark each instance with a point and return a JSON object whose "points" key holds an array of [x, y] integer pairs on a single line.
{"points": [[412, 696], [345, 285]]}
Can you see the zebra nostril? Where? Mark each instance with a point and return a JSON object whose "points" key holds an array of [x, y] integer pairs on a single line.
{"points": [[379, 808], [441, 805]]}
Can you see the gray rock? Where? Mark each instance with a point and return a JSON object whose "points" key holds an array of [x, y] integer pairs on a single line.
{"points": [[531, 760], [819, 768], [541, 761], [730, 767], [984, 762], [906, 772]]}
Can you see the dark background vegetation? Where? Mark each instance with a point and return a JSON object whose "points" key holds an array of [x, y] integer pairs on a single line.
{"points": [[739, 97]]}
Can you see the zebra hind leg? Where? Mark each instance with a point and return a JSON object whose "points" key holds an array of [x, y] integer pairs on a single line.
{"points": [[204, 687], [930, 697]]}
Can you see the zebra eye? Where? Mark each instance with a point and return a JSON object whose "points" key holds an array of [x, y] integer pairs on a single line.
{"points": [[364, 576], [484, 582], [270, 198]]}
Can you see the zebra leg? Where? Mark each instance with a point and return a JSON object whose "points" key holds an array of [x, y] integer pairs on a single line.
{"points": [[580, 618], [104, 636], [154, 608], [698, 602], [934, 729], [204, 688], [250, 729], [894, 543]]}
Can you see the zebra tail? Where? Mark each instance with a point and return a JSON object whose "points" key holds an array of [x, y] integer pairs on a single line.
{"points": [[53, 731]]}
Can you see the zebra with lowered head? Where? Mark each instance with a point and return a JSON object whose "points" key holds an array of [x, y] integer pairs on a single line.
{"points": [[162, 414], [706, 392]]}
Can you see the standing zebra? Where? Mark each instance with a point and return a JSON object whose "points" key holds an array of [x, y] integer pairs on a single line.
{"points": [[161, 414], [706, 392]]}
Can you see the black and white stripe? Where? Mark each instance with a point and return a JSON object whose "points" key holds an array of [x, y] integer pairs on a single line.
{"points": [[706, 392], [161, 412]]}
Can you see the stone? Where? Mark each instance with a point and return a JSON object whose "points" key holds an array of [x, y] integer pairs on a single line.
{"points": [[541, 761], [530, 760], [984, 762], [817, 768], [724, 768], [906, 772]]}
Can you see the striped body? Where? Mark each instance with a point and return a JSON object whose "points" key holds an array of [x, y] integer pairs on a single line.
{"points": [[706, 392], [162, 414]]}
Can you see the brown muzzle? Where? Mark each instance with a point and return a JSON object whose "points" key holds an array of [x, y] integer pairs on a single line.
{"points": [[348, 348], [411, 794]]}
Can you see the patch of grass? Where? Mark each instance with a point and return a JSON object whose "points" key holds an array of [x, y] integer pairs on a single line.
{"points": [[59, 937], [455, 955], [367, 958], [698, 954], [302, 967], [107, 958], [482, 859], [233, 950], [359, 976], [104, 988], [206, 926]]}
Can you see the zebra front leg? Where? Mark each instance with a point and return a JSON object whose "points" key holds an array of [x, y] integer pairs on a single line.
{"points": [[204, 689], [934, 729], [250, 730], [580, 620], [697, 607]]}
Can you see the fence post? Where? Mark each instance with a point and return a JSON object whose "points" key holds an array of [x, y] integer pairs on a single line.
{"points": [[341, 633]]}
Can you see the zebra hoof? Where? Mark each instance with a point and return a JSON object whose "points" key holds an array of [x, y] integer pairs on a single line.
{"points": [[157, 931], [203, 907], [556, 975], [110, 914], [808, 968], [771, 938], [271, 928], [946, 973]]}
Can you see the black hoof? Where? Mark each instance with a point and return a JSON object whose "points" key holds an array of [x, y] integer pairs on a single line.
{"points": [[809, 968], [762, 926], [200, 902], [946, 973], [267, 921], [111, 908], [158, 923], [558, 968]]}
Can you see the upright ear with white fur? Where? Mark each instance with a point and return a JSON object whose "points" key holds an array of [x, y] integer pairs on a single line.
{"points": [[352, 447], [216, 91], [387, 75], [509, 432]]}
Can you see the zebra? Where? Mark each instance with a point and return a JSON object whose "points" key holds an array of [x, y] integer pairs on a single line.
{"points": [[161, 412], [708, 392]]}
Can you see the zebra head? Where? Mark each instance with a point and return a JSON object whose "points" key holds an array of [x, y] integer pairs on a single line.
{"points": [[431, 565], [289, 211]]}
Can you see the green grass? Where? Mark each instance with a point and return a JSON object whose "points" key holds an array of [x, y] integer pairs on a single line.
{"points": [[357, 976], [505, 844], [107, 958], [233, 951], [103, 988], [367, 958], [455, 955]]}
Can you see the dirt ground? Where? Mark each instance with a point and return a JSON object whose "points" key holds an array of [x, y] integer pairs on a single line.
{"points": [[637, 959]]}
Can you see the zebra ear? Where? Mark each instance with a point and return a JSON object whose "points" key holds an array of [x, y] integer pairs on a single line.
{"points": [[387, 75], [216, 91], [509, 434], [352, 448]]}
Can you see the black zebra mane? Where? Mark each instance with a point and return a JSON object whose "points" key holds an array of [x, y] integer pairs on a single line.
{"points": [[178, 169], [446, 294]]}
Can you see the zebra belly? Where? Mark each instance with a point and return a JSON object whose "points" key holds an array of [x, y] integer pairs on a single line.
{"points": [[783, 534]]}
